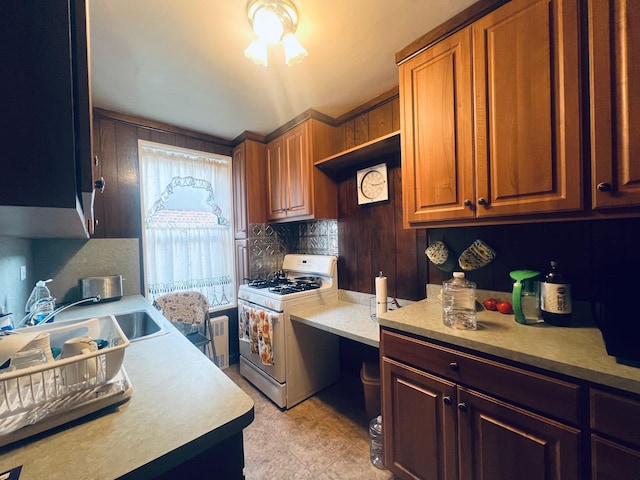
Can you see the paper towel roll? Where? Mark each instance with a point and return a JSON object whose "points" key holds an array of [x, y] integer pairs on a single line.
{"points": [[381, 295]]}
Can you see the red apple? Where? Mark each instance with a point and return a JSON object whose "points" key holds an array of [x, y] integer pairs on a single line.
{"points": [[490, 304], [504, 307]]}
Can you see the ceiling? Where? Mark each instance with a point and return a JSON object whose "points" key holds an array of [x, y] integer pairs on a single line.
{"points": [[182, 62]]}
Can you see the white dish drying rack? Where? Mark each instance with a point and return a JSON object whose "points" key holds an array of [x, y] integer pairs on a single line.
{"points": [[37, 398]]}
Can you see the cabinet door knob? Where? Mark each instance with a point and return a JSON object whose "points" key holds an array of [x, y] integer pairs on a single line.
{"points": [[467, 202], [96, 160], [482, 201], [447, 400], [99, 184], [604, 187], [453, 366], [462, 407]]}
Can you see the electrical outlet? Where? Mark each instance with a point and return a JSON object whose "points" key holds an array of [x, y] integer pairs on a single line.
{"points": [[23, 273]]}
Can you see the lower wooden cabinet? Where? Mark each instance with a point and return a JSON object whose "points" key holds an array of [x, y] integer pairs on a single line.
{"points": [[615, 436], [613, 461], [500, 441], [419, 423], [439, 426]]}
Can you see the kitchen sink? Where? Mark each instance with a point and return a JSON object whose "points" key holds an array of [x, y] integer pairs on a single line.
{"points": [[139, 325]]}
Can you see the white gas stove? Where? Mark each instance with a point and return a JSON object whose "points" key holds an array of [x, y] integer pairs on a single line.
{"points": [[283, 363], [301, 276]]}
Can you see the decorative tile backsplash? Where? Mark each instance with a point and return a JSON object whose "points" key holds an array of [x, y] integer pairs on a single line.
{"points": [[268, 243]]}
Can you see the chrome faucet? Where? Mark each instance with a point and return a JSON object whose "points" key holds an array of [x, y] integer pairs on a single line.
{"points": [[95, 299]]}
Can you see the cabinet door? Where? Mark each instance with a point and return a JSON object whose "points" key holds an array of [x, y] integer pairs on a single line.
{"points": [[419, 426], [612, 461], [437, 138], [296, 174], [242, 261], [618, 418], [527, 98], [43, 100], [614, 61], [239, 173], [501, 442], [249, 186], [276, 170]]}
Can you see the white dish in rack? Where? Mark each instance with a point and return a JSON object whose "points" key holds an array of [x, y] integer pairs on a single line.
{"points": [[31, 396], [72, 407]]}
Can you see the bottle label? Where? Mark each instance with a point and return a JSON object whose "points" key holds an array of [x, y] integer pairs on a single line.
{"points": [[555, 297]]}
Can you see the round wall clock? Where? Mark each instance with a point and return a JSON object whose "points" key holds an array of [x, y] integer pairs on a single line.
{"points": [[372, 184]]}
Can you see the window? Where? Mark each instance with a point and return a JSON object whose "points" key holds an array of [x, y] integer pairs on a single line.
{"points": [[186, 217]]}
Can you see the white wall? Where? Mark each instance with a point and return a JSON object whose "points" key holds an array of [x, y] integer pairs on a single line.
{"points": [[14, 253], [64, 261], [67, 261]]}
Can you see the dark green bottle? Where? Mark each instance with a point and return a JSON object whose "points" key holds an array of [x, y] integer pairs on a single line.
{"points": [[555, 298]]}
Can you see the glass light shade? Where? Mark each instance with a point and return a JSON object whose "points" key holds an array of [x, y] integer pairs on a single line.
{"points": [[267, 25], [294, 52], [257, 51]]}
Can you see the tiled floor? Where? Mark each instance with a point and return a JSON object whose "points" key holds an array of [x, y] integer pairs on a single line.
{"points": [[324, 437]]}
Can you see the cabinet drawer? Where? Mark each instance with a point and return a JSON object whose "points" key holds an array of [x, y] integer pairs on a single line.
{"points": [[544, 394], [616, 416]]}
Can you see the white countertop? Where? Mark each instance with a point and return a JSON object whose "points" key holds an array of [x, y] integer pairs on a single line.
{"points": [[181, 405], [577, 352], [350, 320]]}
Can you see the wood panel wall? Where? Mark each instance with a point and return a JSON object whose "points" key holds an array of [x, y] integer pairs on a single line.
{"points": [[118, 208], [116, 145], [371, 239], [588, 251]]}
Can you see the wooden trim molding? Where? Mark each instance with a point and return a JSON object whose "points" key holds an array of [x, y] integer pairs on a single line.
{"points": [[375, 102], [159, 126], [247, 135], [455, 23]]}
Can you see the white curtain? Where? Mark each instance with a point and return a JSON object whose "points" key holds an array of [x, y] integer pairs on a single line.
{"points": [[186, 215]]}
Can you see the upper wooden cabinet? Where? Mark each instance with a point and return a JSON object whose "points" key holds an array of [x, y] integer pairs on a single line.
{"points": [[46, 139], [249, 199], [527, 97], [437, 133], [495, 132], [614, 67], [249, 190], [296, 189]]}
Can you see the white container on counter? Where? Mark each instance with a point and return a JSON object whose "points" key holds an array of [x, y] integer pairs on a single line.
{"points": [[459, 303]]}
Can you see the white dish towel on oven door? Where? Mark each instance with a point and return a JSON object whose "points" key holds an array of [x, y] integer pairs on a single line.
{"points": [[243, 328], [255, 328], [265, 346]]}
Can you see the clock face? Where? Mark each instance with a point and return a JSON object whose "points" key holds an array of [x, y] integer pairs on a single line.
{"points": [[372, 184]]}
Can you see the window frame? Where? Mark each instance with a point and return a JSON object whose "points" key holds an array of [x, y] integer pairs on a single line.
{"points": [[232, 253]]}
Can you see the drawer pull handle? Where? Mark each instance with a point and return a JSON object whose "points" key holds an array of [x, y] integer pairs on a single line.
{"points": [[453, 366], [462, 407], [447, 400]]}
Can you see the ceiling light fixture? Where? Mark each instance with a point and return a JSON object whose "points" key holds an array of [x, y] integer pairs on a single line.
{"points": [[274, 21]]}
